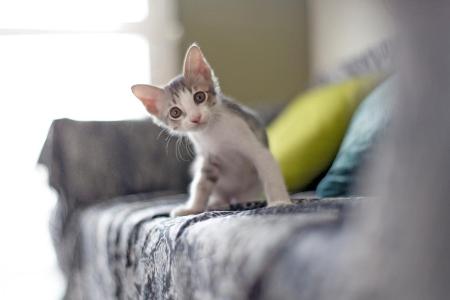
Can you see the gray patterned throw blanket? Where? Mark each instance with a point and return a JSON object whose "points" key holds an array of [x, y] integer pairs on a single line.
{"points": [[131, 249]]}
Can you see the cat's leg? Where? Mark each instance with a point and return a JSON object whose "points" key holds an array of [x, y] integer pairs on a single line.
{"points": [[270, 175], [217, 201], [206, 174], [253, 193]]}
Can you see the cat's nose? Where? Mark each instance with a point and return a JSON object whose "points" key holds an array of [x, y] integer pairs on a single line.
{"points": [[196, 119]]}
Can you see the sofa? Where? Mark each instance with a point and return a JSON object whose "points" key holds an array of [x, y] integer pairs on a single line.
{"points": [[116, 183]]}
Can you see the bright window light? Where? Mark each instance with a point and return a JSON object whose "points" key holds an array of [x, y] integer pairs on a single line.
{"points": [[81, 76], [58, 59], [78, 76], [70, 14]]}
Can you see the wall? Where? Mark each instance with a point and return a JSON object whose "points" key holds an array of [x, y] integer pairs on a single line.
{"points": [[257, 47], [341, 29]]}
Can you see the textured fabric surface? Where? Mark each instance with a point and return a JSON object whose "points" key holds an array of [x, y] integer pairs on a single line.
{"points": [[369, 121], [130, 249], [92, 161], [305, 137]]}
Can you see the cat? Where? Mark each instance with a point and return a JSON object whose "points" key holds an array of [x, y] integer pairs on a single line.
{"points": [[233, 163]]}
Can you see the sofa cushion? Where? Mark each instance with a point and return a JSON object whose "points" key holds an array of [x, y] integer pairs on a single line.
{"points": [[305, 137], [368, 123]]}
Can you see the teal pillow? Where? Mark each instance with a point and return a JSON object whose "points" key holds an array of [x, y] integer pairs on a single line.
{"points": [[368, 122], [306, 136]]}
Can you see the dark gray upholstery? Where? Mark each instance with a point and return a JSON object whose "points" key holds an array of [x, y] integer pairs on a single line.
{"points": [[120, 157]]}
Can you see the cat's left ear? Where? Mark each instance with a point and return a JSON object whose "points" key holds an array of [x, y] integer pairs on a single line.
{"points": [[195, 65], [151, 96]]}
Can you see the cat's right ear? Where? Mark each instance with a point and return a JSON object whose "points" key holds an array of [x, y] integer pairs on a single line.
{"points": [[151, 96], [195, 66]]}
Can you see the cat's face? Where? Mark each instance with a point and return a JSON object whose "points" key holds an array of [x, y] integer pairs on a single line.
{"points": [[188, 102]]}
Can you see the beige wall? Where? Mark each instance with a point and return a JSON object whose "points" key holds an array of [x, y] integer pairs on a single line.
{"points": [[266, 50], [257, 47], [339, 29]]}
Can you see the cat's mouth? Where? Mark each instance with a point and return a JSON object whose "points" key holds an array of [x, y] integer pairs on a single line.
{"points": [[199, 126]]}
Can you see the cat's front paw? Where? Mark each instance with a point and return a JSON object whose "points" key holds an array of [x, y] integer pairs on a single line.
{"points": [[184, 211], [279, 202]]}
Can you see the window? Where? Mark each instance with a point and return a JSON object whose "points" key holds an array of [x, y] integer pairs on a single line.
{"points": [[73, 59]]}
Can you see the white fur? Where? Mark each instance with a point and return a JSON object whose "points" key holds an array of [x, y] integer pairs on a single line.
{"points": [[186, 104], [232, 165], [243, 163]]}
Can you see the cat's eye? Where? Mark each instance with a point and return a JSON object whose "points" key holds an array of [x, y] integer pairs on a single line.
{"points": [[199, 97], [175, 113]]}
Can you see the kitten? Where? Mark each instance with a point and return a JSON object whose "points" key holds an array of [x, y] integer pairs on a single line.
{"points": [[233, 162]]}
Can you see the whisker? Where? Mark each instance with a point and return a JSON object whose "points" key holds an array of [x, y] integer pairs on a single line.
{"points": [[190, 151], [160, 133], [177, 150], [179, 143], [169, 137], [188, 146]]}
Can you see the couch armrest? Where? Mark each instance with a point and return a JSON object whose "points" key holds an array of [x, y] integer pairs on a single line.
{"points": [[89, 162]]}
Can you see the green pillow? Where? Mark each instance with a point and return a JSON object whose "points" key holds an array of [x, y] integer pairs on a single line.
{"points": [[306, 136], [368, 122]]}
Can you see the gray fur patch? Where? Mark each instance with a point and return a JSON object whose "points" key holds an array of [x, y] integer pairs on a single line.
{"points": [[250, 117], [177, 85]]}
